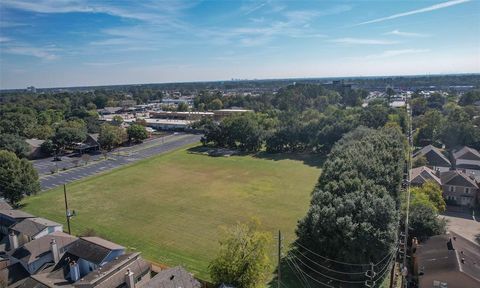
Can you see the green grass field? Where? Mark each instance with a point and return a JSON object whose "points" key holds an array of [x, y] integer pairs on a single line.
{"points": [[171, 207]]}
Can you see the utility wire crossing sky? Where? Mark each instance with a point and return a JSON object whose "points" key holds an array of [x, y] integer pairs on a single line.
{"points": [[48, 43]]}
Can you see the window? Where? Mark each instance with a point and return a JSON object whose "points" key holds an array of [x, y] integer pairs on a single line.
{"points": [[467, 190], [451, 188]]}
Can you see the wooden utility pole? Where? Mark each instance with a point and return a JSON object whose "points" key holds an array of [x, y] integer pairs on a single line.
{"points": [[279, 258], [67, 212]]}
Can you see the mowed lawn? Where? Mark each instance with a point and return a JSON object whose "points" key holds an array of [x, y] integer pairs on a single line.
{"points": [[171, 207]]}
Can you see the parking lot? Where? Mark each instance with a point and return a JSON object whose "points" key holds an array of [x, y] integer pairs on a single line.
{"points": [[98, 163], [463, 222]]}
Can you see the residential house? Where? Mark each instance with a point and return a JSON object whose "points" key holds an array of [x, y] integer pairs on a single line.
{"points": [[435, 158], [4, 205], [9, 217], [93, 252], [468, 160], [32, 228], [13, 275], [126, 270], [447, 261], [420, 175], [38, 252], [173, 278], [459, 188]]}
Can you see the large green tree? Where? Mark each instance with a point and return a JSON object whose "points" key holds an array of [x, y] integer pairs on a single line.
{"points": [[137, 133], [243, 257], [15, 144], [111, 136], [356, 200], [17, 177]]}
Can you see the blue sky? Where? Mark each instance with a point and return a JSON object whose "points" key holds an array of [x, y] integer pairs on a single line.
{"points": [[49, 43]]}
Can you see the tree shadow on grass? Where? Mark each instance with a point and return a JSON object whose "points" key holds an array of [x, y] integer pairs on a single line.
{"points": [[310, 159], [313, 160]]}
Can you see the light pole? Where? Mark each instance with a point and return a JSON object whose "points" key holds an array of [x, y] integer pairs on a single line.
{"points": [[68, 214]]}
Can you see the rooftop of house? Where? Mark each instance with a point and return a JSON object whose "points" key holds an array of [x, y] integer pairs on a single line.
{"points": [[13, 274], [173, 278], [33, 226], [449, 259], [4, 205], [113, 273], [15, 214], [466, 153], [93, 249], [34, 142], [457, 178], [434, 156], [422, 174], [33, 250]]}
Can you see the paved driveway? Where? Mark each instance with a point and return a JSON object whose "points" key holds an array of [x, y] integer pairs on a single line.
{"points": [[118, 158], [463, 223]]}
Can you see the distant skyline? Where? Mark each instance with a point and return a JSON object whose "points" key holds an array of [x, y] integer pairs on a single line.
{"points": [[47, 43]]}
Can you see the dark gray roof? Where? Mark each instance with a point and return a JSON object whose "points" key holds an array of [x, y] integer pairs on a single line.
{"points": [[93, 249], [440, 258], [173, 278], [37, 248], [434, 156], [468, 166], [457, 178], [466, 153], [33, 226], [15, 214], [113, 273]]}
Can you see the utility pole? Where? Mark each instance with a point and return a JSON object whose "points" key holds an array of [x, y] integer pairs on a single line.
{"points": [[370, 274], [409, 167], [279, 257], [67, 212]]}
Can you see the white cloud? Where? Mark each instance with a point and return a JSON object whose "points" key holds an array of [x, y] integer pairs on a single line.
{"points": [[393, 53], [417, 11], [362, 41], [105, 64], [406, 34], [4, 39], [41, 53]]}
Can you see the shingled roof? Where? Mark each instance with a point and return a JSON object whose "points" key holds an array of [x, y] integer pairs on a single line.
{"points": [[33, 226], [434, 156], [93, 249], [423, 174], [457, 178], [466, 153], [449, 259], [35, 249], [173, 278]]}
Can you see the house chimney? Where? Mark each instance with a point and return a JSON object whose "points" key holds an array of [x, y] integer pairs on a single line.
{"points": [[74, 271], [13, 240], [129, 279], [54, 250]]}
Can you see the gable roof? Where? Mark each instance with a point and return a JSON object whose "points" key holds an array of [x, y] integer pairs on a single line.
{"points": [[15, 214], [423, 174], [93, 249], [33, 226], [173, 278], [14, 274], [466, 153], [35, 143], [35, 249], [457, 178], [434, 156]]}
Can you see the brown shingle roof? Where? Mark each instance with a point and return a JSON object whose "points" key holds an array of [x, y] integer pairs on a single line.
{"points": [[434, 156], [423, 174], [466, 153], [457, 178]]}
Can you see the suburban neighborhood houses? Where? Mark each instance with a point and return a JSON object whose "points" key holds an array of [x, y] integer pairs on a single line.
{"points": [[458, 178], [36, 253]]}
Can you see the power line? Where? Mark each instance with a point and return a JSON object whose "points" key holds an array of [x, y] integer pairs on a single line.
{"points": [[299, 276], [329, 269], [324, 275], [318, 281]]}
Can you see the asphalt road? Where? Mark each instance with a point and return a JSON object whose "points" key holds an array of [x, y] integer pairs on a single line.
{"points": [[98, 164]]}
